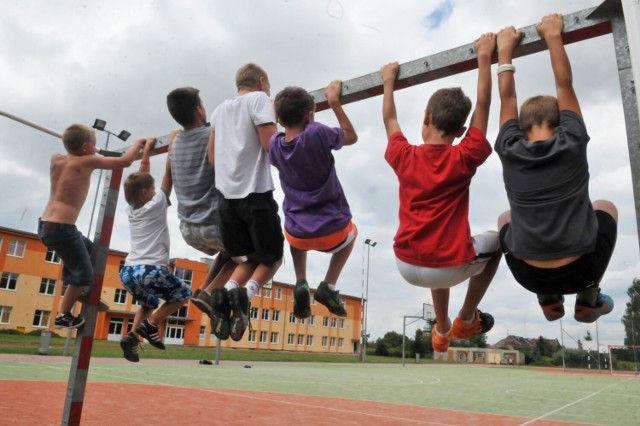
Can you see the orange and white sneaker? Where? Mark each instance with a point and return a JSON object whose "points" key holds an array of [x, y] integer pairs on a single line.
{"points": [[481, 324], [440, 342]]}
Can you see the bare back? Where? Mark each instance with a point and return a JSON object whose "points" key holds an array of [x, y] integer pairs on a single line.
{"points": [[70, 180]]}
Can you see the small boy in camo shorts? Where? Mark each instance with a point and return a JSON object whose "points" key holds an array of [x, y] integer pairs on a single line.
{"points": [[145, 274]]}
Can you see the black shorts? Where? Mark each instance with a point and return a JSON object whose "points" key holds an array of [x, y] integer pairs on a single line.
{"points": [[586, 271], [252, 225]]}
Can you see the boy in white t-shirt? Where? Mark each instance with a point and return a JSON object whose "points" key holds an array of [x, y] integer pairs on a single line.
{"points": [[145, 273]]}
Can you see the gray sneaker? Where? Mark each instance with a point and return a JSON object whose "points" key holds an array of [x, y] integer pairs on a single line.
{"points": [[239, 303], [301, 302], [220, 313], [330, 299], [202, 301], [150, 332]]}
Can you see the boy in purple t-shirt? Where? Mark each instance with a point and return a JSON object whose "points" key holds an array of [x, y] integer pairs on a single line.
{"points": [[317, 215]]}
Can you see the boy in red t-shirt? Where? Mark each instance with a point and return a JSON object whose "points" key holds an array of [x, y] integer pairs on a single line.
{"points": [[433, 246]]}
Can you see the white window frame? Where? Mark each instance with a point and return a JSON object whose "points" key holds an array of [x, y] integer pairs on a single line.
{"points": [[252, 336], [50, 287], [276, 316], [267, 293], [291, 339], [274, 337], [5, 314], [253, 313], [301, 339], [264, 337], [266, 312], [120, 296], [342, 322], [332, 342], [52, 256], [40, 315], [277, 293], [341, 342], [312, 320], [325, 341], [16, 247], [325, 322], [309, 339], [10, 278], [182, 274], [203, 332], [292, 318], [334, 322]]}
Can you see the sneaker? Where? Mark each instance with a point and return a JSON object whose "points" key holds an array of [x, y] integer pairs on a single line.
{"points": [[440, 342], [220, 313], [586, 313], [239, 303], [202, 301], [553, 310], [330, 299], [68, 321], [150, 332], [481, 324], [130, 345], [301, 302]]}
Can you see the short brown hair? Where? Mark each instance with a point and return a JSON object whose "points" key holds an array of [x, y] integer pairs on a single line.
{"points": [[248, 76], [539, 110], [449, 109], [75, 135], [133, 186], [292, 104], [182, 103]]}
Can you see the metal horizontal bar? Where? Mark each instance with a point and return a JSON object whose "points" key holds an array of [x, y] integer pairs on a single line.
{"points": [[578, 26]]}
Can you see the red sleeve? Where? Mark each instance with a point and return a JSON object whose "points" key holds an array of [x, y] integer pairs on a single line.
{"points": [[475, 147], [397, 147]]}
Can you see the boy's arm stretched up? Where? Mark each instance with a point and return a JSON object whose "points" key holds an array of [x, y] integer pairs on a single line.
{"points": [[508, 39], [332, 92], [111, 163], [551, 30], [167, 179], [145, 165], [389, 73], [484, 46]]}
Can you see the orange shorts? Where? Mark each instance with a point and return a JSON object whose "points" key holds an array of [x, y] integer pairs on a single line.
{"points": [[329, 244]]}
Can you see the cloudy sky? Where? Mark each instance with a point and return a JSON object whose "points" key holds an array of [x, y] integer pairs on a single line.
{"points": [[74, 61]]}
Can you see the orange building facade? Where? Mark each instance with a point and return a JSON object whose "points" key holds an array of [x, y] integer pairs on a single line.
{"points": [[31, 290]]}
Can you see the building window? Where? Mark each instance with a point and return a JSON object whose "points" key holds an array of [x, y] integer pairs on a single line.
{"points": [[259, 293], [48, 286], [265, 314], [52, 256], [184, 274], [9, 281], [136, 302], [267, 293], [263, 336], [274, 336], [333, 342], [5, 314], [312, 320], [277, 293], [334, 322], [121, 266], [16, 247], [341, 342], [41, 318], [182, 312], [252, 335], [203, 332], [291, 339], [120, 297], [325, 339], [292, 318], [325, 321], [301, 339], [341, 322], [310, 340], [303, 321], [116, 325], [276, 316], [64, 288], [253, 313]]}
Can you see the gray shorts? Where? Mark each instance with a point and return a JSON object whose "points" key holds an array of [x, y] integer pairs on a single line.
{"points": [[206, 238]]}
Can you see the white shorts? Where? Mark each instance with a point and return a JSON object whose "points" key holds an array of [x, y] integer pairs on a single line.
{"points": [[485, 245]]}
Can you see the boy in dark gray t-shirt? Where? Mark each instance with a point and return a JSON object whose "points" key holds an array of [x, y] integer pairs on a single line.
{"points": [[555, 240]]}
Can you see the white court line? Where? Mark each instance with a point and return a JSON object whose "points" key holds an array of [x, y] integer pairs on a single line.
{"points": [[573, 403]]}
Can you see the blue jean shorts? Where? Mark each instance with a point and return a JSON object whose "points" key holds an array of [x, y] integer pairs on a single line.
{"points": [[73, 248], [150, 283]]}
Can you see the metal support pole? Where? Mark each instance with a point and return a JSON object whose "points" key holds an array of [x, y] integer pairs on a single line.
{"points": [[218, 351], [84, 337], [404, 327], [562, 344]]}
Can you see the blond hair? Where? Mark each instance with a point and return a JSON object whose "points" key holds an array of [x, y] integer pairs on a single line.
{"points": [[75, 135], [248, 76]]}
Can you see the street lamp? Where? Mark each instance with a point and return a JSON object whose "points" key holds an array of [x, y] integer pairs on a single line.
{"points": [[363, 350], [99, 124]]}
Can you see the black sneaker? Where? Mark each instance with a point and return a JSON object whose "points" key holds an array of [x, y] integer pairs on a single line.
{"points": [[150, 332], [301, 302], [239, 303], [220, 313], [202, 301], [68, 321], [130, 345], [330, 299]]}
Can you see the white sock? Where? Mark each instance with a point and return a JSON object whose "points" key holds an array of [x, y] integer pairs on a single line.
{"points": [[252, 288], [231, 284], [469, 322], [332, 287]]}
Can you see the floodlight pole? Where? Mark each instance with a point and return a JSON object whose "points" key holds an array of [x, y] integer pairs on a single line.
{"points": [[365, 302]]}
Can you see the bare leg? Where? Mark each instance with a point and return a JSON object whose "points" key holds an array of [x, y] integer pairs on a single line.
{"points": [[607, 207], [299, 262], [71, 295], [243, 271], [337, 262], [141, 315], [219, 274], [264, 273], [164, 311], [441, 307], [478, 286]]}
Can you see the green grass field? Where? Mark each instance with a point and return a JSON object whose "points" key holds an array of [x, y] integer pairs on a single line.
{"points": [[515, 391]]}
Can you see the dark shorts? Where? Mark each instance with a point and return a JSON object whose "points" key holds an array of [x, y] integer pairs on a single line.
{"points": [[73, 248], [586, 271], [150, 283], [252, 225]]}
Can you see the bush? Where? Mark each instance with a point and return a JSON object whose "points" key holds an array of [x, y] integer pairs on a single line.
{"points": [[10, 331], [544, 361]]}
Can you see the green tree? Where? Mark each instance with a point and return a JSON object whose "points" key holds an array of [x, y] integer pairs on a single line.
{"points": [[631, 317]]}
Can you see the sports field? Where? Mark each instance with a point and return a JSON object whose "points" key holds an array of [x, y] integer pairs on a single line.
{"points": [[32, 391]]}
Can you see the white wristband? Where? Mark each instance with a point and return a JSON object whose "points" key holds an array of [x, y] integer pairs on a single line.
{"points": [[506, 67]]}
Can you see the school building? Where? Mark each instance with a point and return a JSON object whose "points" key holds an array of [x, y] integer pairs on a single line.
{"points": [[31, 290]]}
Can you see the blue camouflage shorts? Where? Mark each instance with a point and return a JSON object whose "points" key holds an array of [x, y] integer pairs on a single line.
{"points": [[150, 283]]}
